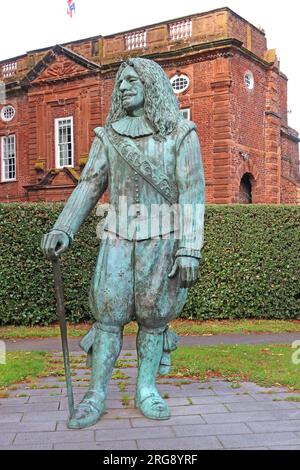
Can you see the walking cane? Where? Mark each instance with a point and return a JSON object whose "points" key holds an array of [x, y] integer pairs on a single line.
{"points": [[63, 329]]}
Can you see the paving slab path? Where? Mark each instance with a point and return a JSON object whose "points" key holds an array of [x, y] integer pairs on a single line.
{"points": [[205, 415], [54, 344]]}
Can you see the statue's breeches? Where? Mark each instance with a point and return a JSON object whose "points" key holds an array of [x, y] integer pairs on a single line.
{"points": [[131, 283]]}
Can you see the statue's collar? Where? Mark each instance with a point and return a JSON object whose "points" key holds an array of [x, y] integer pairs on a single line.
{"points": [[133, 126]]}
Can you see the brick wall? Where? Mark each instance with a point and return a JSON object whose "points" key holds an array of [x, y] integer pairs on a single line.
{"points": [[241, 130]]}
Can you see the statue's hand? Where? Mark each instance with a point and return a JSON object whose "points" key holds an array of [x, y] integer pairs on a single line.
{"points": [[55, 243], [188, 268]]}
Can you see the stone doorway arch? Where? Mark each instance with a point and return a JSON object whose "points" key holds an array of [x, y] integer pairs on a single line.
{"points": [[245, 190]]}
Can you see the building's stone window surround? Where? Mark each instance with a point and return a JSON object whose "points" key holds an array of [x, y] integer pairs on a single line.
{"points": [[136, 40], [186, 113], [8, 158], [8, 112], [180, 83], [64, 142], [180, 30]]}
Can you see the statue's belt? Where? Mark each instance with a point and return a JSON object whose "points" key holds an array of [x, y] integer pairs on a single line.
{"points": [[132, 155]]}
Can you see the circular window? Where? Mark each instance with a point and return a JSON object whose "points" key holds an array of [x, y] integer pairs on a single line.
{"points": [[180, 83], [249, 80], [8, 113]]}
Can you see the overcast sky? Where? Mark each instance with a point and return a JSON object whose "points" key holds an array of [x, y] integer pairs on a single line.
{"points": [[33, 24]]}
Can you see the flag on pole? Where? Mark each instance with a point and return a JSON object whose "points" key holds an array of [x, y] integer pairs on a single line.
{"points": [[71, 8]]}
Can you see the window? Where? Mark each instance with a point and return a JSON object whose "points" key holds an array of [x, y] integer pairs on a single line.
{"points": [[8, 113], [249, 80], [8, 152], [180, 30], [95, 48], [186, 113], [136, 40], [180, 83], [64, 147]]}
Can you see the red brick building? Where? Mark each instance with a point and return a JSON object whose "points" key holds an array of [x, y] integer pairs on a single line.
{"points": [[226, 80]]}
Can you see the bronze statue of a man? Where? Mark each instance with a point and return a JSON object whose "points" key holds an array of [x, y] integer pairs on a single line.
{"points": [[148, 156]]}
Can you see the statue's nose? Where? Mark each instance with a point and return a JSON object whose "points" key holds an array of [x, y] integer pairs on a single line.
{"points": [[124, 85]]}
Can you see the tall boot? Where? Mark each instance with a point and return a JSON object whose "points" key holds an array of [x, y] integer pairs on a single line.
{"points": [[107, 346], [147, 399]]}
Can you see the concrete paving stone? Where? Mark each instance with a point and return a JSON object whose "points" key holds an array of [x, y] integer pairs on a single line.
{"points": [[37, 391], [222, 399], [6, 438], [229, 391], [191, 386], [102, 424], [211, 429], [132, 434], [58, 437], [180, 401], [271, 396], [44, 399], [168, 380], [215, 382], [252, 387], [258, 406], [10, 418], [116, 395], [27, 407], [76, 390], [275, 426], [232, 417], [122, 413], [110, 404], [174, 420], [45, 416], [115, 388], [32, 447], [13, 401], [279, 447], [49, 380], [30, 427], [108, 445], [182, 443], [177, 392], [252, 440], [198, 409], [83, 372]]}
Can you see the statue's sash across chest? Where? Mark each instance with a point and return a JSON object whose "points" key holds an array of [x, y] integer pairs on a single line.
{"points": [[154, 161]]}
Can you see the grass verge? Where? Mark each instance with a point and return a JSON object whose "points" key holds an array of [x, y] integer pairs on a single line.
{"points": [[264, 365], [22, 365], [182, 327], [268, 366]]}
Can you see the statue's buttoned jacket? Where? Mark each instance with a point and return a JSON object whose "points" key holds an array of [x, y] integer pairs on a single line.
{"points": [[131, 277]]}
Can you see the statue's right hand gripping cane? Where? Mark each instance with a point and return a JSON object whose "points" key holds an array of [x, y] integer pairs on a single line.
{"points": [[55, 243]]}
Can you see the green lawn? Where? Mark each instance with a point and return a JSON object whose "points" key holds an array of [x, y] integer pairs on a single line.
{"points": [[265, 365], [21, 365], [182, 327]]}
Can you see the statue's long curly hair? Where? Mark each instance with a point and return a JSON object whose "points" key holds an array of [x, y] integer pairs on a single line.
{"points": [[161, 105]]}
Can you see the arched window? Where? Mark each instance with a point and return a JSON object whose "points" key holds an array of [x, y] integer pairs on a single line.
{"points": [[7, 113], [180, 83], [245, 195]]}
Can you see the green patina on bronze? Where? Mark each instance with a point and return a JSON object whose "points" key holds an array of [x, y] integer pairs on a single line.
{"points": [[148, 154]]}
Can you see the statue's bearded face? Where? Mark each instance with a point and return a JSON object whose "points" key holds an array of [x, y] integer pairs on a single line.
{"points": [[132, 91]]}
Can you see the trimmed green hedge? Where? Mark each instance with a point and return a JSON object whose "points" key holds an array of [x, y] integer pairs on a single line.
{"points": [[250, 269]]}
